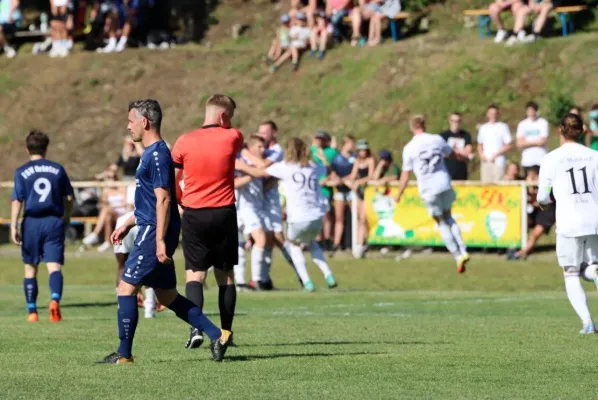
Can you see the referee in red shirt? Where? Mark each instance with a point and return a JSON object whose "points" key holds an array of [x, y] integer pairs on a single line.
{"points": [[206, 159]]}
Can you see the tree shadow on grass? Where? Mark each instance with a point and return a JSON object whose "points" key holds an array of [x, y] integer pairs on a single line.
{"points": [[345, 342], [293, 355]]}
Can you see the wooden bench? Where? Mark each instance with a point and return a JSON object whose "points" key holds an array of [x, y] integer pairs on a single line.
{"points": [[394, 31], [87, 222], [567, 25], [30, 34]]}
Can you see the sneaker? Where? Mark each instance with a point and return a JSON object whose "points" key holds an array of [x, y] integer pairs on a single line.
{"points": [[195, 339], [501, 35], [462, 263], [115, 358], [309, 287], [312, 53], [331, 282], [92, 238], [54, 308], [149, 313], [253, 285], [265, 285], [218, 347], [531, 38], [104, 247], [10, 52], [54, 51], [151, 46], [295, 67], [588, 329], [512, 41], [32, 317], [321, 55], [360, 252]]}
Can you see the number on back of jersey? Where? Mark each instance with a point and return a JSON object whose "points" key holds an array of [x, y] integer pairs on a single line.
{"points": [[429, 160]]}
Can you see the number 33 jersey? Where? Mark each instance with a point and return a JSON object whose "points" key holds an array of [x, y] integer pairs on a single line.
{"points": [[302, 190], [571, 172], [42, 185], [424, 155]]}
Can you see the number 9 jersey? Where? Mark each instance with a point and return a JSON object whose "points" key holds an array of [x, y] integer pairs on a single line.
{"points": [[42, 185]]}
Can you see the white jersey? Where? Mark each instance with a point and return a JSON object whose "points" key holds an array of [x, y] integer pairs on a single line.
{"points": [[275, 154], [532, 130], [571, 172], [251, 195], [302, 190], [424, 155]]}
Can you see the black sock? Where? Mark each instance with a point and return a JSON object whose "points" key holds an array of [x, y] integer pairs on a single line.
{"points": [[227, 300], [194, 292]]}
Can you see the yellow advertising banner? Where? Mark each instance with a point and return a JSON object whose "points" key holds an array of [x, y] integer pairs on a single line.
{"points": [[488, 215]]}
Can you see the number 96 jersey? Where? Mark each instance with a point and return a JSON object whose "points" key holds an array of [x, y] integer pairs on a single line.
{"points": [[302, 190], [424, 155], [571, 173]]}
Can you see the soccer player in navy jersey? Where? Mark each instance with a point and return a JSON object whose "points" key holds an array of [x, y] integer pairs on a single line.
{"points": [[156, 215], [43, 187]]}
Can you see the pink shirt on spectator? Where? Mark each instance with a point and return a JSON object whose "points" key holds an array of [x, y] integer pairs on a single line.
{"points": [[336, 4]]}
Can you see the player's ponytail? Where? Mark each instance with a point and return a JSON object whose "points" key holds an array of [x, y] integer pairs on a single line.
{"points": [[571, 127], [297, 152]]}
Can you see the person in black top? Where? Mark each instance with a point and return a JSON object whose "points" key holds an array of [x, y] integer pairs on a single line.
{"points": [[461, 140], [128, 160]]}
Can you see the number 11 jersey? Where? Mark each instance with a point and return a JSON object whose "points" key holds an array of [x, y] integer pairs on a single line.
{"points": [[424, 155], [301, 189], [571, 172], [42, 185]]}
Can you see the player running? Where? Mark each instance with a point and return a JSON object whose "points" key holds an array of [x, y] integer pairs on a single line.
{"points": [[305, 206], [571, 174], [46, 190], [150, 263], [424, 155]]}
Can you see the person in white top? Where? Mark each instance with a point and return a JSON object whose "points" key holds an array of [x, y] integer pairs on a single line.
{"points": [[532, 134], [570, 173], [494, 141], [305, 206], [273, 209], [424, 156]]}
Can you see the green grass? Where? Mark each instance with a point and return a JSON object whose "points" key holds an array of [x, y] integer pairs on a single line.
{"points": [[413, 329]]}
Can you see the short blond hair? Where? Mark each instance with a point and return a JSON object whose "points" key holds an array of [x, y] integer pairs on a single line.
{"points": [[224, 102], [418, 121], [253, 139]]}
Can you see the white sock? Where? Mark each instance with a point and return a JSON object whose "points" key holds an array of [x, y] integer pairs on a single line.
{"points": [[318, 258], [257, 263], [240, 267], [149, 304], [267, 264], [456, 232], [299, 261], [577, 297], [122, 43], [521, 34], [111, 45], [286, 253], [447, 237]]}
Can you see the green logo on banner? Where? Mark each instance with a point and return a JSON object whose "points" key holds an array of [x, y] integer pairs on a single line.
{"points": [[496, 224]]}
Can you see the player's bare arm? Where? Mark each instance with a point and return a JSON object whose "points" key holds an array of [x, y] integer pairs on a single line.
{"points": [[403, 182], [15, 212], [481, 152], [241, 181], [162, 213], [257, 161], [178, 178], [240, 165], [459, 156]]}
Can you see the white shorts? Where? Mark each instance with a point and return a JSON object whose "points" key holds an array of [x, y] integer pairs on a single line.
{"points": [[251, 220], [572, 252], [128, 241], [273, 214], [440, 203], [343, 196], [60, 3], [304, 232]]}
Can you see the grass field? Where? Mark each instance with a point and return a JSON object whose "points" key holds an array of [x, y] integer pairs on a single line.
{"points": [[413, 329]]}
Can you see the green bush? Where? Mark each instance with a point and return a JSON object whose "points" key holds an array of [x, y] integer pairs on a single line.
{"points": [[560, 101]]}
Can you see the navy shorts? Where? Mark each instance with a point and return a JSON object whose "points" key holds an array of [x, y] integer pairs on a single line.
{"points": [[142, 266], [43, 240]]}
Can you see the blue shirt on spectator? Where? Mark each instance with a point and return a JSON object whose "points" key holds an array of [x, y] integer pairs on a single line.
{"points": [[5, 6], [342, 165]]}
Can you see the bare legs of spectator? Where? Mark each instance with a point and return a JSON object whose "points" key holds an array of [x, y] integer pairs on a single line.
{"points": [[375, 33], [496, 9], [106, 221], [327, 228], [318, 42], [356, 22], [59, 31], [542, 9], [362, 230], [533, 238], [70, 26], [124, 37], [339, 222], [275, 50], [110, 29], [9, 51], [293, 54]]}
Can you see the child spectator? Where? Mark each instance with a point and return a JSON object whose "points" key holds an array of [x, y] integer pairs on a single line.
{"points": [[299, 35], [282, 40], [9, 16], [336, 10], [386, 171], [320, 34], [513, 172]]}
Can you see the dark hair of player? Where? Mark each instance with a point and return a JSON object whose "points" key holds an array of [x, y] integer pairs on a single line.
{"points": [[272, 125], [571, 127], [150, 110], [37, 142]]}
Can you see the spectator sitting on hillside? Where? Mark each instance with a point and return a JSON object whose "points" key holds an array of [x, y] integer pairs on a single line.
{"points": [[494, 141], [542, 8], [9, 16], [336, 10], [342, 166], [513, 172], [299, 35], [308, 7], [320, 35], [386, 171], [388, 9], [114, 204], [460, 140], [498, 7], [59, 11], [532, 134], [365, 11], [282, 40], [119, 23]]}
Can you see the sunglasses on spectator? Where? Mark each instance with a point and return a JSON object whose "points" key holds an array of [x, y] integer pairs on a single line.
{"points": [[455, 121]]}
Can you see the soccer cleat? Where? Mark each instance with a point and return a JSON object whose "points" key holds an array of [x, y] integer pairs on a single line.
{"points": [[32, 317], [116, 358], [218, 347], [253, 285], [54, 308], [462, 263], [588, 329], [265, 285], [331, 282], [309, 287], [195, 339]]}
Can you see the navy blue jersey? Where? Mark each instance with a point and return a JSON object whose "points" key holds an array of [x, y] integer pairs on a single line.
{"points": [[42, 185], [156, 170]]}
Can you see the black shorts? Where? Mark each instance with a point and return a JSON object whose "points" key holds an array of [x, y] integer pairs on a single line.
{"points": [[210, 238], [546, 217]]}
